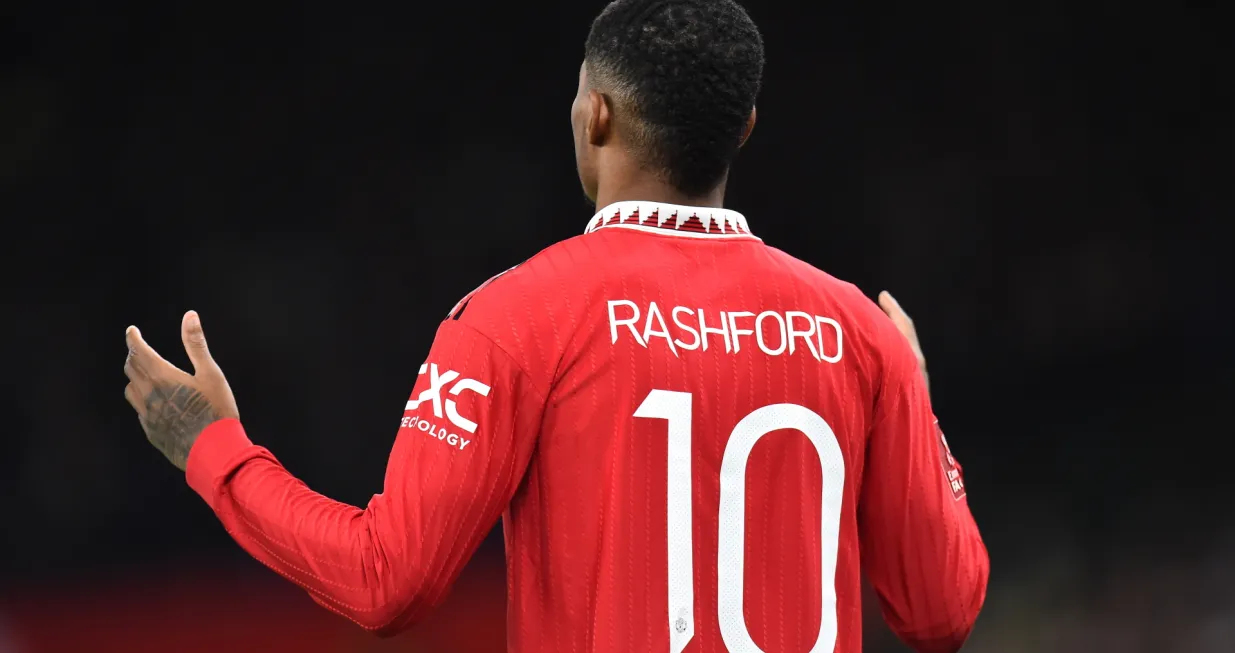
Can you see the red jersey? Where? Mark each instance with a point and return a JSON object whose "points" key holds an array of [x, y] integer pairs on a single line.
{"points": [[696, 442]]}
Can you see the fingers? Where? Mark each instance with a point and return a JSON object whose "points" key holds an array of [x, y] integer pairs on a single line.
{"points": [[893, 308], [195, 342], [889, 304], [903, 323], [140, 351], [136, 367], [134, 397], [143, 363]]}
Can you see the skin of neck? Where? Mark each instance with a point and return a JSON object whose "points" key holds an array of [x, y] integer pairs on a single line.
{"points": [[625, 180]]}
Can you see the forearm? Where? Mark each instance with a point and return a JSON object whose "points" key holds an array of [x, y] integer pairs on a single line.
{"points": [[920, 545], [931, 577], [922, 552], [351, 561]]}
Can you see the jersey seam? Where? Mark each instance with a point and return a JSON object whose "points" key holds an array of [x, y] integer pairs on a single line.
{"points": [[882, 394], [543, 392]]}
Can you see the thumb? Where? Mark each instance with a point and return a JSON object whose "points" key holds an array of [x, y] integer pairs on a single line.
{"points": [[195, 342]]}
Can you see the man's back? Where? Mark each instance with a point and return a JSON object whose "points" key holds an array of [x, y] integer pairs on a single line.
{"points": [[698, 443], [709, 423]]}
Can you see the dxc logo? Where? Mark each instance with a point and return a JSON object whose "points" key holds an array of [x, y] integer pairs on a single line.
{"points": [[437, 381]]}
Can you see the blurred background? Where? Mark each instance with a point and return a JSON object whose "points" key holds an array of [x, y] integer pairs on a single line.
{"points": [[1040, 185]]}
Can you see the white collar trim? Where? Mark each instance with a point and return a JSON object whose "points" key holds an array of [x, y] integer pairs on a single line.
{"points": [[672, 219]]}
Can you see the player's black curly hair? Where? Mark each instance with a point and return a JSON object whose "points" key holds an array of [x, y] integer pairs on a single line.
{"points": [[687, 72]]}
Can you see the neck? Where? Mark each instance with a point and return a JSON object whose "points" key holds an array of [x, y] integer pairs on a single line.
{"points": [[648, 189]]}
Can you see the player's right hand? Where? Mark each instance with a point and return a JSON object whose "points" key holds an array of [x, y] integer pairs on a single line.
{"points": [[905, 325], [173, 405]]}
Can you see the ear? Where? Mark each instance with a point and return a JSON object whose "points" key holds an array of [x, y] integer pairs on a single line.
{"points": [[750, 127], [600, 119]]}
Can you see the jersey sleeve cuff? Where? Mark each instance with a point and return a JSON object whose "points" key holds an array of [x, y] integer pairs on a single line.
{"points": [[214, 454]]}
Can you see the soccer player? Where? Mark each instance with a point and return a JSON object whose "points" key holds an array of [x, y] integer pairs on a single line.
{"points": [[696, 442]]}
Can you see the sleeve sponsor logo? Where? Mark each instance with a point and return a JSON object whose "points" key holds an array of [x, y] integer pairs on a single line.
{"points": [[444, 406], [951, 469]]}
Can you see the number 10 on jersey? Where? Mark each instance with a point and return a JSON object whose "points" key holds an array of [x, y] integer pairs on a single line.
{"points": [[675, 408]]}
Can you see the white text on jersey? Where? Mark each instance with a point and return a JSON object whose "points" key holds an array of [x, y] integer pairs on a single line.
{"points": [[773, 332], [434, 393], [448, 408], [439, 432]]}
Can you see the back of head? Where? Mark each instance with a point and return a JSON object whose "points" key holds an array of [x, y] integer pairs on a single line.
{"points": [[683, 75]]}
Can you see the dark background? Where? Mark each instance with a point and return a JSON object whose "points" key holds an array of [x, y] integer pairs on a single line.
{"points": [[1041, 185]]}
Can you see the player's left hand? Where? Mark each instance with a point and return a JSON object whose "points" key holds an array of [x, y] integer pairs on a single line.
{"points": [[904, 324], [174, 406]]}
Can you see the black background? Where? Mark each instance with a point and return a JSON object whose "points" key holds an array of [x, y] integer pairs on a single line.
{"points": [[1044, 186]]}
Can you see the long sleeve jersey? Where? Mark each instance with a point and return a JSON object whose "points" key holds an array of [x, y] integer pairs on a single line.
{"points": [[695, 441]]}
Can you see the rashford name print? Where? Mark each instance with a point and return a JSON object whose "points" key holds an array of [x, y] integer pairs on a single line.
{"points": [[682, 329]]}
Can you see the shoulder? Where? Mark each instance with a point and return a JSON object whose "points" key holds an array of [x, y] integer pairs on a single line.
{"points": [[845, 296], [869, 334], [562, 266], [527, 310]]}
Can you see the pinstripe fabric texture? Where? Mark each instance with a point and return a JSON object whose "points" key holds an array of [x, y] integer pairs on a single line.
{"points": [[569, 345]]}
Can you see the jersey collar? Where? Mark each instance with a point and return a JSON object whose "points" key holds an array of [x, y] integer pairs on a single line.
{"points": [[672, 219]]}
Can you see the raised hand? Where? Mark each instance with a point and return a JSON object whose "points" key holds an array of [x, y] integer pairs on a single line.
{"points": [[174, 406], [905, 325]]}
